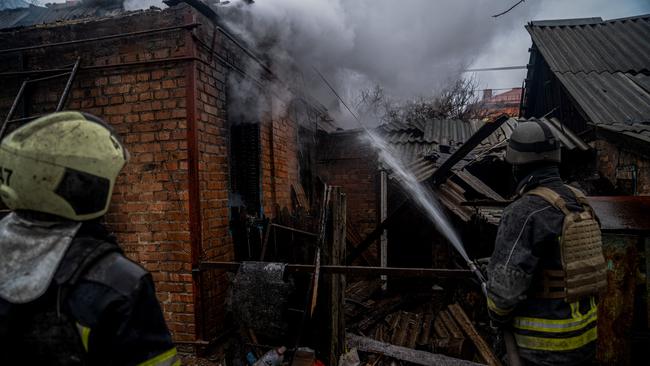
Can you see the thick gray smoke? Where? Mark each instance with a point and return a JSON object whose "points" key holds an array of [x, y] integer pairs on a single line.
{"points": [[410, 47]]}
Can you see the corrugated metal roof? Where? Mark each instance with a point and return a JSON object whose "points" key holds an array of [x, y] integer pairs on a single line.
{"points": [[417, 139], [636, 130], [616, 213], [604, 66], [417, 153], [579, 45], [610, 97], [451, 194], [36, 15], [569, 140], [12, 4], [449, 132], [478, 185], [403, 137]]}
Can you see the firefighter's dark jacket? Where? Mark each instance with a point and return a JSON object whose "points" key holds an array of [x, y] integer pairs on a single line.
{"points": [[547, 331], [100, 309]]}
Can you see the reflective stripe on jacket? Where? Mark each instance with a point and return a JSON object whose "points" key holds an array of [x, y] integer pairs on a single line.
{"points": [[547, 331], [101, 309]]}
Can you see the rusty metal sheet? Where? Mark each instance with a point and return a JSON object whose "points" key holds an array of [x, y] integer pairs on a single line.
{"points": [[616, 306], [622, 213]]}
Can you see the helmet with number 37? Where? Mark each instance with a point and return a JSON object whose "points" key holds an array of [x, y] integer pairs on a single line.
{"points": [[64, 164]]}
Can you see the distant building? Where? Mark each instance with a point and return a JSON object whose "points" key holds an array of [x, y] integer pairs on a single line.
{"points": [[504, 103]]}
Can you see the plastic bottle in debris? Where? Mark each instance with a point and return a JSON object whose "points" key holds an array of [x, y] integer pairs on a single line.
{"points": [[273, 357]]}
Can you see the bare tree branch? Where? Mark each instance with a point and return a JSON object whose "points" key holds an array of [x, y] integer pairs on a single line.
{"points": [[512, 7], [459, 100]]}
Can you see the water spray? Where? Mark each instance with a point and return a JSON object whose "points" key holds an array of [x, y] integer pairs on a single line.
{"points": [[417, 191]]}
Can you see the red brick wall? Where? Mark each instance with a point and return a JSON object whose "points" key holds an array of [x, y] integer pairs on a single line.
{"points": [[279, 143], [213, 134], [346, 159], [146, 105], [171, 115], [616, 164]]}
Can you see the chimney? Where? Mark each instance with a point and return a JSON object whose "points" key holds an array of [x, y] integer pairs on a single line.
{"points": [[487, 94]]}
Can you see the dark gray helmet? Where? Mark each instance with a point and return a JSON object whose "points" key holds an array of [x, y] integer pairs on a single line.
{"points": [[532, 141]]}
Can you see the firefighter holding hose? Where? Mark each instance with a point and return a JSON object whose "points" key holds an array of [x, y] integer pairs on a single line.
{"points": [[547, 267], [68, 296]]}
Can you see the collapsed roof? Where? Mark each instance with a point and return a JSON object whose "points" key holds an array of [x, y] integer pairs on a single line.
{"points": [[425, 145], [52, 13]]}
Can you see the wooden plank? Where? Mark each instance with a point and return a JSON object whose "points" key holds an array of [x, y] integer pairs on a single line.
{"points": [[353, 270], [456, 339], [425, 332], [647, 277], [442, 173], [415, 326], [383, 240], [402, 353], [400, 331], [334, 254], [483, 349]]}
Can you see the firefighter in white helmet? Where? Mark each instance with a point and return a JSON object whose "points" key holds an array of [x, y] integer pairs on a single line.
{"points": [[547, 267], [68, 296]]}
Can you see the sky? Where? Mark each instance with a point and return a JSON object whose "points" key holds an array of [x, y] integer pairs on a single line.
{"points": [[511, 47], [410, 47]]}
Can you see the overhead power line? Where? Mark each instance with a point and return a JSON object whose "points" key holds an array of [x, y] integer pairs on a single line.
{"points": [[504, 12], [497, 68]]}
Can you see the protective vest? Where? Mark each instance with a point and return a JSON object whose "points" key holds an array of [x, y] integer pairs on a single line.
{"points": [[583, 270]]}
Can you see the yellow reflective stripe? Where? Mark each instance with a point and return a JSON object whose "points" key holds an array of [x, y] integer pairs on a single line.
{"points": [[575, 310], [168, 358], [84, 333], [555, 325], [556, 344], [492, 306]]}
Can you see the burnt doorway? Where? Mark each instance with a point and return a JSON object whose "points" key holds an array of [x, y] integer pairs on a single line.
{"points": [[245, 189]]}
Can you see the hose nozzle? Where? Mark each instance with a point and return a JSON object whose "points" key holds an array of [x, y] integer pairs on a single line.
{"points": [[479, 275]]}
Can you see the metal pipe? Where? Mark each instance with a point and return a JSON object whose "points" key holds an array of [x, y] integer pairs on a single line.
{"points": [[24, 119], [101, 67], [193, 184], [68, 85], [12, 109], [353, 270], [49, 77], [293, 229], [102, 38]]}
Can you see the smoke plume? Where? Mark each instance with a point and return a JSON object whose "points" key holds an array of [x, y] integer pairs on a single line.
{"points": [[410, 48]]}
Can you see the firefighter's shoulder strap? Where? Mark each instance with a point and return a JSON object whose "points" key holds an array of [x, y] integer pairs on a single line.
{"points": [[583, 264]]}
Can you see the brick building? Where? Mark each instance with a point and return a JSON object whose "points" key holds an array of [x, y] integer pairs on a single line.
{"points": [[347, 159], [502, 103], [163, 80]]}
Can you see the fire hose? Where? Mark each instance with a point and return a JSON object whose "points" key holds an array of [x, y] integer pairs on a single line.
{"points": [[508, 338]]}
